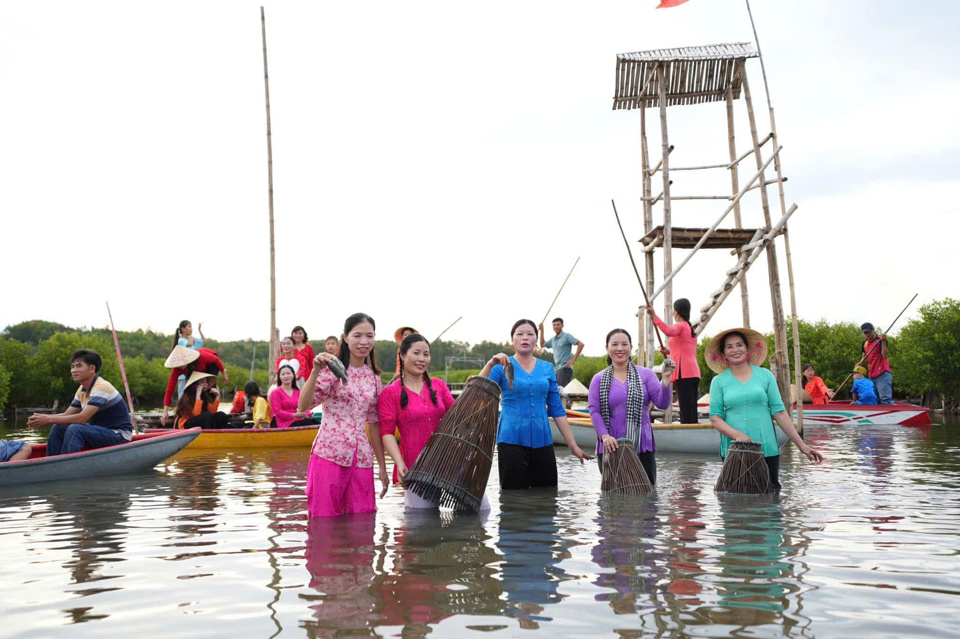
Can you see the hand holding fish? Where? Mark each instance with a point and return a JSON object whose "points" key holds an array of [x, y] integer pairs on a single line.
{"points": [[503, 360]]}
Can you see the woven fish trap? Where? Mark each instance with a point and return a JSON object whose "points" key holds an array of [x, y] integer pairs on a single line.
{"points": [[454, 465], [744, 470], [623, 474]]}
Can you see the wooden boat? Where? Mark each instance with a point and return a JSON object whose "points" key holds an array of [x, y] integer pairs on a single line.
{"points": [[142, 453], [701, 439], [848, 414], [293, 437]]}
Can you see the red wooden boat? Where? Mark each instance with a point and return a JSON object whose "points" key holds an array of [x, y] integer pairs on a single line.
{"points": [[142, 453]]}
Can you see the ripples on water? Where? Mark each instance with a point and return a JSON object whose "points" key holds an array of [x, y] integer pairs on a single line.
{"points": [[216, 543]]}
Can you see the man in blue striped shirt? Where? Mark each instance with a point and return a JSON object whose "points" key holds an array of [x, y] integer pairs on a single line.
{"points": [[96, 418]]}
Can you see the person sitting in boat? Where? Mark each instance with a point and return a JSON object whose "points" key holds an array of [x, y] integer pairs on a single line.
{"points": [[14, 450], [184, 361], [290, 356], [815, 386], [97, 416], [285, 400], [745, 400], [239, 405], [562, 344], [199, 405], [622, 393], [876, 354], [262, 415], [331, 345], [863, 389]]}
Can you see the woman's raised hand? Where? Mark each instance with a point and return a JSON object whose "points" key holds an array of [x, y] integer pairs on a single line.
{"points": [[321, 360], [499, 358]]}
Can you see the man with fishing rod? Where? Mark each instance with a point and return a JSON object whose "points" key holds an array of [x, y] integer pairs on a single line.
{"points": [[878, 366], [562, 344]]}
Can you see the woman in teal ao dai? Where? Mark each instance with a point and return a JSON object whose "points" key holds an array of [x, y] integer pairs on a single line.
{"points": [[745, 400]]}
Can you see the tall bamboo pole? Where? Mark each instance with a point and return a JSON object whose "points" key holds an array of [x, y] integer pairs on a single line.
{"points": [[667, 221], [773, 269], [274, 342], [735, 188], [646, 327], [123, 371]]}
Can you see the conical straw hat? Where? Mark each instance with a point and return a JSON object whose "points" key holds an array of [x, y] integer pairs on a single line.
{"points": [[196, 376], [180, 356], [756, 349]]}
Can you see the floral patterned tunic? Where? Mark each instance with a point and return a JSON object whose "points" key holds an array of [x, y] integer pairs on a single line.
{"points": [[346, 412]]}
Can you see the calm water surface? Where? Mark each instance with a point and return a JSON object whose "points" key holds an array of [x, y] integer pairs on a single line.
{"points": [[217, 544]]}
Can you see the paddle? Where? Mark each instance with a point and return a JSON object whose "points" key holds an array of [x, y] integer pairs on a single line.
{"points": [[634, 264], [867, 354], [437, 338], [547, 314]]}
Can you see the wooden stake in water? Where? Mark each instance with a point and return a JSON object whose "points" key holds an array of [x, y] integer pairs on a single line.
{"points": [[123, 371], [274, 341]]}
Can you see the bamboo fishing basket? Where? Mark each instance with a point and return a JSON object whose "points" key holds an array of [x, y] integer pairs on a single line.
{"points": [[623, 474], [454, 465], [745, 471]]}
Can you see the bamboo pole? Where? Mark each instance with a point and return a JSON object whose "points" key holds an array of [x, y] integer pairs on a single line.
{"points": [[648, 264], [123, 372], [667, 222], [633, 264], [253, 361], [274, 342], [735, 187], [773, 269], [444, 331], [545, 315]]}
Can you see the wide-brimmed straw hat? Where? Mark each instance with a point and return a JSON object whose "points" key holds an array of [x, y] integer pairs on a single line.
{"points": [[180, 356], [398, 334], [195, 377], [756, 349]]}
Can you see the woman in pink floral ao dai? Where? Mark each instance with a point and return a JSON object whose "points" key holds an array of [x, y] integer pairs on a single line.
{"points": [[340, 474]]}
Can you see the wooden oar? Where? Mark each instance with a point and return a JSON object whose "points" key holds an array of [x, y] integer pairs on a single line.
{"points": [[437, 338], [867, 354], [123, 371], [639, 281], [547, 314]]}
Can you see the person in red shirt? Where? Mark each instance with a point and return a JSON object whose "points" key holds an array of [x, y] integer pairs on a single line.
{"points": [[291, 356], [877, 354], [306, 351], [815, 386], [185, 361]]}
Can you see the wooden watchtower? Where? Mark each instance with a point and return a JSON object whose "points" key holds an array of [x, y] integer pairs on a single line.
{"points": [[689, 76]]}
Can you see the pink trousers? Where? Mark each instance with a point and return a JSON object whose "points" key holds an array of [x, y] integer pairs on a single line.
{"points": [[334, 490]]}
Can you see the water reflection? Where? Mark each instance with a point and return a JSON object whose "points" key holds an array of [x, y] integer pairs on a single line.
{"points": [[530, 544]]}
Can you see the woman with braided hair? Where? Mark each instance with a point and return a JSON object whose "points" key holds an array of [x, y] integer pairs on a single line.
{"points": [[620, 398], [412, 404]]}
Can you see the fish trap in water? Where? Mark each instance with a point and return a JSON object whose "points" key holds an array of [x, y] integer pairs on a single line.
{"points": [[453, 468], [623, 474], [745, 471]]}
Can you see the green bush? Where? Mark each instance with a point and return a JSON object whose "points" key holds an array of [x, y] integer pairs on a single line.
{"points": [[4, 387], [926, 355]]}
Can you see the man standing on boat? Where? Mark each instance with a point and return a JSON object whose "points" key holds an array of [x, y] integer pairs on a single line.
{"points": [[97, 417], [561, 344], [877, 354]]}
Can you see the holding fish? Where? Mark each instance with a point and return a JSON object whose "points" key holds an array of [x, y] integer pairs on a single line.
{"points": [[529, 395], [336, 367]]}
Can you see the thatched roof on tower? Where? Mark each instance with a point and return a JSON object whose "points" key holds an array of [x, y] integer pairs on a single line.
{"points": [[692, 75]]}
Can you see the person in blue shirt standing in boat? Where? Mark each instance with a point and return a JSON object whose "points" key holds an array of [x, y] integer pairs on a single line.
{"points": [[528, 395], [562, 343], [97, 417], [863, 389]]}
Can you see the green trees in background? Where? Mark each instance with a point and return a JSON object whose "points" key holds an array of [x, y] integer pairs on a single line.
{"points": [[35, 358]]}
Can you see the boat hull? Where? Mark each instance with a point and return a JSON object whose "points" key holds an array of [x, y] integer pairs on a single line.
{"points": [[143, 453], [845, 414], [293, 437], [699, 439]]}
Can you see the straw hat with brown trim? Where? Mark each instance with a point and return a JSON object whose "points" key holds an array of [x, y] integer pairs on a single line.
{"points": [[756, 349], [398, 334], [196, 376], [180, 356]]}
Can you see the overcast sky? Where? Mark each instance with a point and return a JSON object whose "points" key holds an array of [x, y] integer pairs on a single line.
{"points": [[438, 159]]}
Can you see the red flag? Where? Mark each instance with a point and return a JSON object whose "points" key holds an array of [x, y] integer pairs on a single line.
{"points": [[666, 4]]}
